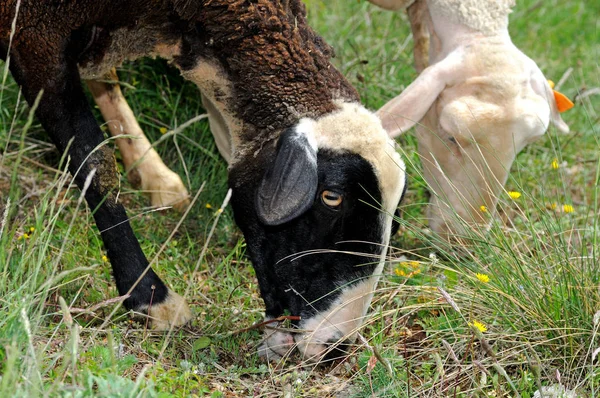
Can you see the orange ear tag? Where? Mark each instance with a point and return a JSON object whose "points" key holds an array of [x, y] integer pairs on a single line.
{"points": [[563, 103]]}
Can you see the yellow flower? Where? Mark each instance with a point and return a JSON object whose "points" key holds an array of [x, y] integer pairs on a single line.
{"points": [[568, 209], [404, 268], [31, 229], [514, 194], [208, 206], [483, 209], [162, 130], [479, 326], [25, 236], [555, 164], [553, 206], [484, 278], [104, 258]]}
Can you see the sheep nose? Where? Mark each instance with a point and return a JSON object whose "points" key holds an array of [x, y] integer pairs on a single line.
{"points": [[336, 349]]}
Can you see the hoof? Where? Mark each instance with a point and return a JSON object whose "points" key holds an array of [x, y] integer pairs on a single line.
{"points": [[172, 312], [167, 189]]}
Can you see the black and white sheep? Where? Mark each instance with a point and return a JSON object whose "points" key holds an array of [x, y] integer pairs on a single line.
{"points": [[314, 176]]}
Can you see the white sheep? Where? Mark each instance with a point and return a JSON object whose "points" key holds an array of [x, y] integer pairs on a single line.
{"points": [[476, 107]]}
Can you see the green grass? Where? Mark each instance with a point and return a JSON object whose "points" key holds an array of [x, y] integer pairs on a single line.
{"points": [[540, 305]]}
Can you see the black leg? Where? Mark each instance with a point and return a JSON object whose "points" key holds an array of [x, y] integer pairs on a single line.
{"points": [[66, 115]]}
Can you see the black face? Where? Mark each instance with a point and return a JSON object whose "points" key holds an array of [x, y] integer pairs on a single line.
{"points": [[301, 262]]}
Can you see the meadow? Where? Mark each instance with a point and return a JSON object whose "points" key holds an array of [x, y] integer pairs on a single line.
{"points": [[507, 312]]}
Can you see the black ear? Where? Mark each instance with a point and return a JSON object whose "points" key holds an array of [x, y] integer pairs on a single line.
{"points": [[289, 185]]}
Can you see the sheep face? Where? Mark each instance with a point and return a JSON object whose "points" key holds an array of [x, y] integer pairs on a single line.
{"points": [[316, 214], [478, 107], [467, 156]]}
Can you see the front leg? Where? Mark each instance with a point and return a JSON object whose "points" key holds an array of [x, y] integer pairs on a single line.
{"points": [[67, 117], [145, 169]]}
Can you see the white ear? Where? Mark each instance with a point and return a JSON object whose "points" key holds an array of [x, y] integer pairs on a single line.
{"points": [[541, 87], [407, 109]]}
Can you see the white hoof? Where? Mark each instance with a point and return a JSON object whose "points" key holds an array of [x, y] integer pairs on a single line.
{"points": [[172, 312], [166, 189]]}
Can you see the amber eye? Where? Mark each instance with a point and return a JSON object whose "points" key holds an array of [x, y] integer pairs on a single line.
{"points": [[331, 199]]}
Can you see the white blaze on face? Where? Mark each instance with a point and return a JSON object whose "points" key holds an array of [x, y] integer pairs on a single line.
{"points": [[353, 129]]}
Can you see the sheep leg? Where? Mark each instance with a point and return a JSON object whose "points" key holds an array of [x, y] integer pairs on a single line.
{"points": [[67, 117], [218, 128], [418, 14], [144, 167]]}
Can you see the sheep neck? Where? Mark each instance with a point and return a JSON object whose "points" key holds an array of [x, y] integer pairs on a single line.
{"points": [[272, 69]]}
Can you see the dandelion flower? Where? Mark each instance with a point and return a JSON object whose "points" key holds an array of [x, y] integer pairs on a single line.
{"points": [[514, 194], [568, 209], [104, 258], [483, 209], [555, 164], [162, 130], [483, 278], [31, 229], [479, 326]]}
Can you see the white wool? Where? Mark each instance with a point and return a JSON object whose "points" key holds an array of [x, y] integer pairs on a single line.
{"points": [[356, 129], [486, 16]]}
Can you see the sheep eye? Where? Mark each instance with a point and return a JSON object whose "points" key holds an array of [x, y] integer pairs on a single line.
{"points": [[331, 199]]}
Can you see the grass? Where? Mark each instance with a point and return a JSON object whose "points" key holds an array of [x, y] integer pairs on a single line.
{"points": [[540, 306]]}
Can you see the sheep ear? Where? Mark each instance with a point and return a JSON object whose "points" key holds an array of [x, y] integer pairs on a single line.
{"points": [[541, 87], [289, 185], [407, 109]]}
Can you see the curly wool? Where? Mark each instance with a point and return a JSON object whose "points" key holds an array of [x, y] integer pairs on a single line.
{"points": [[486, 16]]}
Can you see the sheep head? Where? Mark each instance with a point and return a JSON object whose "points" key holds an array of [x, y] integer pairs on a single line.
{"points": [[316, 211], [475, 110]]}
